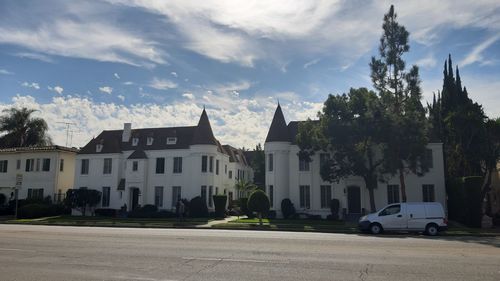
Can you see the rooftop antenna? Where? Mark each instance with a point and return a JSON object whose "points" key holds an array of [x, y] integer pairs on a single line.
{"points": [[68, 125], [71, 136]]}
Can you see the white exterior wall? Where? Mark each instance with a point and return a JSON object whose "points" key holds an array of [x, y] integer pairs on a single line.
{"points": [[146, 179], [286, 179], [51, 181]]}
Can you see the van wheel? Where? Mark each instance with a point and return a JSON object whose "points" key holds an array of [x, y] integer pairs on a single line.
{"points": [[431, 229], [376, 228]]}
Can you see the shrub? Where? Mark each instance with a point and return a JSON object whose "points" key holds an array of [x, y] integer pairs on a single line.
{"points": [[220, 205], [287, 208], [3, 199], [313, 217], [198, 208], [259, 203], [105, 212], [334, 208], [271, 214], [144, 212], [472, 188], [32, 211], [244, 207], [149, 208], [163, 214], [81, 199]]}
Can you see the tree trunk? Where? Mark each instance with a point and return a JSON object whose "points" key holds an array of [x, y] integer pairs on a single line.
{"points": [[485, 189], [260, 218], [403, 186], [371, 184]]}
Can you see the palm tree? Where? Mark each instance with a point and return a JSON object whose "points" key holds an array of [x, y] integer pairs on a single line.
{"points": [[20, 129], [244, 188]]}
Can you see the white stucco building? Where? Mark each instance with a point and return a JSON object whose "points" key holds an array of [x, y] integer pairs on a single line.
{"points": [[287, 177], [46, 171], [156, 166]]}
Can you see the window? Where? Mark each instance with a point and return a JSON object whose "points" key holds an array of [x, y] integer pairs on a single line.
{"points": [[105, 196], [428, 193], [135, 166], [305, 197], [216, 190], [135, 141], [392, 193], [85, 167], [35, 193], [30, 163], [204, 163], [270, 162], [176, 195], [38, 164], [217, 166], [150, 141], [160, 165], [177, 165], [391, 210], [230, 174], [428, 158], [171, 140], [159, 196], [3, 166], [303, 164], [98, 147], [323, 159], [61, 165], [18, 164], [225, 169], [326, 196], [271, 196], [211, 164], [107, 166], [203, 193], [210, 194], [46, 165]]}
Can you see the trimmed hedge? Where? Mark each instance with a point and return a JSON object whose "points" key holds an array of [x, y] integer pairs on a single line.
{"points": [[464, 200], [32, 211], [198, 208], [105, 212], [287, 208], [220, 205]]}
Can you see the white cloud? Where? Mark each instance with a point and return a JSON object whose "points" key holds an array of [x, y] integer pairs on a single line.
{"points": [[5, 72], [57, 89], [122, 98], [34, 56], [235, 120], [173, 73], [427, 62], [311, 63], [476, 55], [162, 84], [33, 85], [128, 83], [188, 96], [93, 40], [116, 75], [106, 89]]}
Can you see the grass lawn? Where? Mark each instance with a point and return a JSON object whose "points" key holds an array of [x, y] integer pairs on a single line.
{"points": [[116, 222], [292, 225]]}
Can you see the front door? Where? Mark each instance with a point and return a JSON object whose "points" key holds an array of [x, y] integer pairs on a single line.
{"points": [[354, 199], [134, 198]]}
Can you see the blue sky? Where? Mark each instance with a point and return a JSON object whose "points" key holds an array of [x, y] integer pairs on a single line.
{"points": [[98, 64]]}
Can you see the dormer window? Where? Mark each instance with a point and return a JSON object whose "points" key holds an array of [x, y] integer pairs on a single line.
{"points": [[171, 140], [135, 141], [98, 147], [150, 140]]}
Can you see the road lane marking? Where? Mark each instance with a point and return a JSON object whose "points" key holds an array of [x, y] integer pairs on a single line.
{"points": [[234, 260], [16, 250]]}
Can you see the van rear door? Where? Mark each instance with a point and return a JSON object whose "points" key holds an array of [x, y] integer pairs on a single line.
{"points": [[416, 216]]}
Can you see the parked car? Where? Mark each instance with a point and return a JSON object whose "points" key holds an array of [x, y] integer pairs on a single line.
{"points": [[427, 217]]}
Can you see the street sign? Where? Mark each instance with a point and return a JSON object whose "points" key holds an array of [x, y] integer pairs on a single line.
{"points": [[19, 181]]}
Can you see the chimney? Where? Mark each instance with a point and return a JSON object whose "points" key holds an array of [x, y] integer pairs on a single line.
{"points": [[127, 131]]}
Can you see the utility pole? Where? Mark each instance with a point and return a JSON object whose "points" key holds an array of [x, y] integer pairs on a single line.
{"points": [[68, 124]]}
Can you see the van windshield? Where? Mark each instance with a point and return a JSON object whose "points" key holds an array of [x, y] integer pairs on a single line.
{"points": [[391, 210]]}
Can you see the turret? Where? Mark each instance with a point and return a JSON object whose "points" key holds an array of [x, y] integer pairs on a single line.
{"points": [[203, 133], [278, 132]]}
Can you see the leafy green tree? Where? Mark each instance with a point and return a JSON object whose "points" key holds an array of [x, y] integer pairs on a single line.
{"points": [[351, 130], [258, 166], [20, 129], [259, 203], [81, 199], [401, 97], [244, 187]]}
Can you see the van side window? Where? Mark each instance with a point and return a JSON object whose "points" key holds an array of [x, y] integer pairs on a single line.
{"points": [[391, 210]]}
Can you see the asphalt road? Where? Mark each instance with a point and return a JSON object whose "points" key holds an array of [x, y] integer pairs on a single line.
{"points": [[86, 253]]}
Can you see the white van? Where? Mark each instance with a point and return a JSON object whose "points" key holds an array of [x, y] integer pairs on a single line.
{"points": [[425, 217]]}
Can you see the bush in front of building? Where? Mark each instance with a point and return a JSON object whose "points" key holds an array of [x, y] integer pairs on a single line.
{"points": [[3, 199], [244, 207], [464, 203], [220, 205], [258, 202], [198, 208], [334, 208], [144, 212], [105, 212], [287, 208], [37, 210], [82, 199]]}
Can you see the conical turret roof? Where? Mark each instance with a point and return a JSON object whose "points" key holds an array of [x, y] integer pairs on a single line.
{"points": [[278, 131], [203, 133]]}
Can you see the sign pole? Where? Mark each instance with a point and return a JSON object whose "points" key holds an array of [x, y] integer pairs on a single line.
{"points": [[19, 184]]}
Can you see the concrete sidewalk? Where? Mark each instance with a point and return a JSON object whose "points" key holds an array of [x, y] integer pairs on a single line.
{"points": [[215, 222]]}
